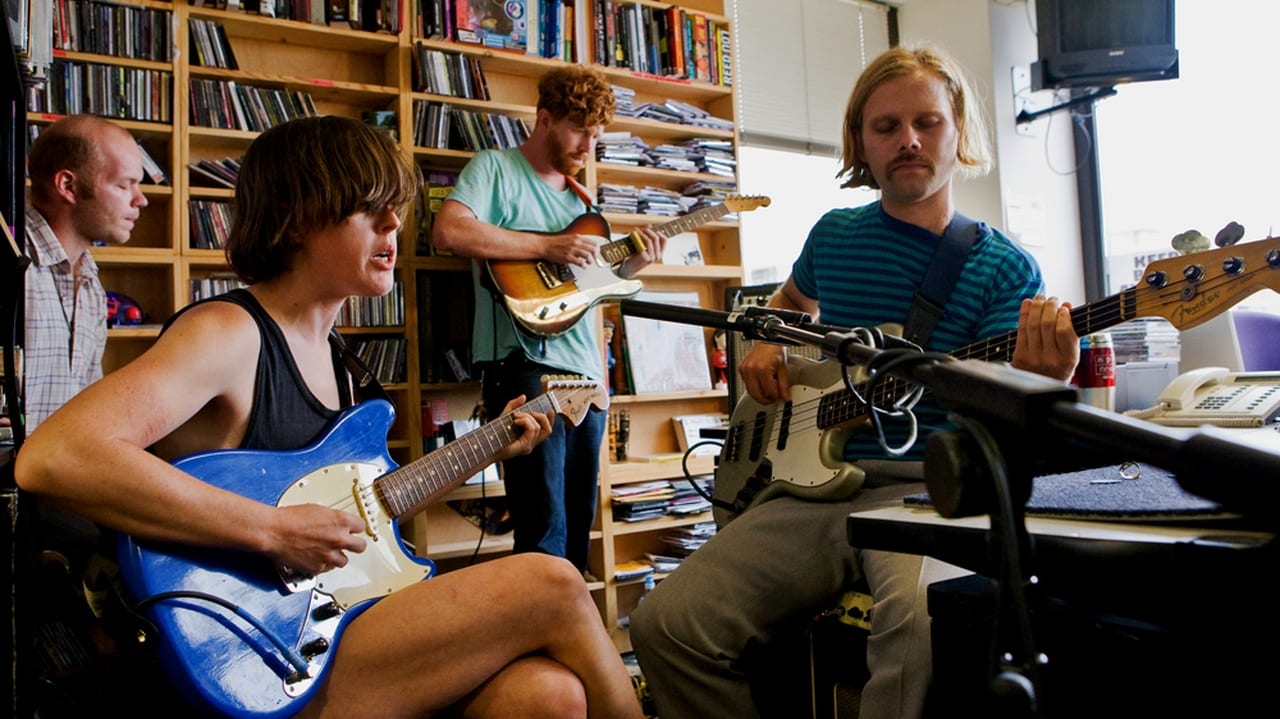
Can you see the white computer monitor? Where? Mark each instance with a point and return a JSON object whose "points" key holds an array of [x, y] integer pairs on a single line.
{"points": [[1212, 344]]}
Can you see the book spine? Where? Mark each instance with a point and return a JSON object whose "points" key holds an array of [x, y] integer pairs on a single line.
{"points": [[702, 47]]}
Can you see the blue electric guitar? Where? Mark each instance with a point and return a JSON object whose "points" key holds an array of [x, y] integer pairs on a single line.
{"points": [[249, 641]]}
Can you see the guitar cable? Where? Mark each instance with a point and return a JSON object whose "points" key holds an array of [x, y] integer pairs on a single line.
{"points": [[879, 368], [688, 476], [294, 659]]}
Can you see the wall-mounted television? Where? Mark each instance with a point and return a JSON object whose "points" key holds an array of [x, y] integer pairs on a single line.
{"points": [[1101, 43]]}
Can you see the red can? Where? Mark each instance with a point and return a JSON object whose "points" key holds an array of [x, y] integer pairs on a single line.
{"points": [[1096, 374]]}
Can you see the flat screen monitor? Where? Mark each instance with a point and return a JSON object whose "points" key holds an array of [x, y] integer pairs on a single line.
{"points": [[1215, 343], [1101, 43]]}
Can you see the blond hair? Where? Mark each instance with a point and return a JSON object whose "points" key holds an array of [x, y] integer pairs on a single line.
{"points": [[973, 152]]}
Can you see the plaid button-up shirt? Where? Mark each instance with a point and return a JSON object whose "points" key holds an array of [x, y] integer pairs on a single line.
{"points": [[66, 323]]}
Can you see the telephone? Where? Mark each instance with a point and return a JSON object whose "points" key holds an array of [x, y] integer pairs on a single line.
{"points": [[1214, 395]]}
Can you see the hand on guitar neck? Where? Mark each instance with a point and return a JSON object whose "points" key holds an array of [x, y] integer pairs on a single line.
{"points": [[547, 297]]}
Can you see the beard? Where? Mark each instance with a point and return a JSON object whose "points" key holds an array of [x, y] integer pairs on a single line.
{"points": [[562, 160]]}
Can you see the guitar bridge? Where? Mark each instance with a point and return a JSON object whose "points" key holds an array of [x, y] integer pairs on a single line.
{"points": [[553, 275]]}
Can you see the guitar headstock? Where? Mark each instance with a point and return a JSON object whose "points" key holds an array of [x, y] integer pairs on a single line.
{"points": [[1195, 288], [573, 396], [746, 203]]}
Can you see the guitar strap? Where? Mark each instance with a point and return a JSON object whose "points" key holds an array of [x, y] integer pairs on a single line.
{"points": [[366, 382], [941, 276], [581, 192]]}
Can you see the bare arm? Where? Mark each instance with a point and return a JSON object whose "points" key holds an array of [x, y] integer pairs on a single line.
{"points": [[764, 368], [92, 456], [456, 229]]}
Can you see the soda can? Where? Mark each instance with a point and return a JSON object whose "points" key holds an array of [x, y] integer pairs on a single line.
{"points": [[1095, 377]]}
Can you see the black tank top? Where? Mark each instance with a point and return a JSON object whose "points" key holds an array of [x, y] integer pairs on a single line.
{"points": [[285, 414]]}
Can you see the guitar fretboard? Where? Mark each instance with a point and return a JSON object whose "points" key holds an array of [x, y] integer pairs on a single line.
{"points": [[684, 223], [843, 405], [409, 489], [619, 250]]}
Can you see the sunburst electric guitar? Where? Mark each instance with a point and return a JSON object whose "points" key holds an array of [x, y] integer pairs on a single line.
{"points": [[797, 447], [249, 641], [548, 298]]}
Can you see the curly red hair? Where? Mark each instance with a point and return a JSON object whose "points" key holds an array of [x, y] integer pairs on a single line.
{"points": [[577, 93]]}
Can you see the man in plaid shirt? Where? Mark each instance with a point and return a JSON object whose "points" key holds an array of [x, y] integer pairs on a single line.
{"points": [[85, 176]]}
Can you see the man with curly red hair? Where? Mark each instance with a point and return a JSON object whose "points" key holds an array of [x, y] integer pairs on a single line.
{"points": [[515, 205]]}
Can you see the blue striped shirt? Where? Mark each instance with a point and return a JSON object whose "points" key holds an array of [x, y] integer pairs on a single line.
{"points": [[863, 268]]}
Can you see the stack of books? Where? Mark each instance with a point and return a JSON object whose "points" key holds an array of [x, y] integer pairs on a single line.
{"points": [[687, 500], [622, 148], [683, 541], [640, 501], [1147, 339], [633, 569]]}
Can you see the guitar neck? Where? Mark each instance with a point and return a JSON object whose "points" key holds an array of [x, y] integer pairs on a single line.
{"points": [[844, 405], [619, 250], [684, 223], [1086, 319], [409, 489]]}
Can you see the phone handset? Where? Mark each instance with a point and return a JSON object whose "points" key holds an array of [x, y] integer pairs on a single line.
{"points": [[1181, 392]]}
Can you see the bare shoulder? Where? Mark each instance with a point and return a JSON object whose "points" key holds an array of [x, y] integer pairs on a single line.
{"points": [[212, 344]]}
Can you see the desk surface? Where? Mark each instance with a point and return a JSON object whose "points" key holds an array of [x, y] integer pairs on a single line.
{"points": [[1189, 531], [1121, 563]]}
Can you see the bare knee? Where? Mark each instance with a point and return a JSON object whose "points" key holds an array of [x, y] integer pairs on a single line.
{"points": [[535, 687], [556, 695], [552, 583]]}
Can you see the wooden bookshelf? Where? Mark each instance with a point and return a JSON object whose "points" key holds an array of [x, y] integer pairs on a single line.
{"points": [[349, 72]]}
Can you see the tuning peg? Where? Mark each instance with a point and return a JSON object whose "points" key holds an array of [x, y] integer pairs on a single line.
{"points": [[1229, 235], [1190, 241]]}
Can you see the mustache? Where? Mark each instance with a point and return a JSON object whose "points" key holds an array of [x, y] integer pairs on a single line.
{"points": [[911, 159]]}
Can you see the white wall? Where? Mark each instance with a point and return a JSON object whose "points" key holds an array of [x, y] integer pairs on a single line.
{"points": [[1027, 194]]}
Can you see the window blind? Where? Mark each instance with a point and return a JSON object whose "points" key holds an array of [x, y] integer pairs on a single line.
{"points": [[796, 63]]}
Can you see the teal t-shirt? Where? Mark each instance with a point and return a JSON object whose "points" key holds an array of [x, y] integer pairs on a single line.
{"points": [[502, 189]]}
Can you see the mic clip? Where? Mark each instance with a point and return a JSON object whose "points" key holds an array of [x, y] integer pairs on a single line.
{"points": [[762, 323]]}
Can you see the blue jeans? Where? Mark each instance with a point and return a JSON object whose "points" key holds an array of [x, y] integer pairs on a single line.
{"points": [[551, 492]]}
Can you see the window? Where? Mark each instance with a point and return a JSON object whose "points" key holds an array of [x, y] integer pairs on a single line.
{"points": [[797, 62], [1199, 151]]}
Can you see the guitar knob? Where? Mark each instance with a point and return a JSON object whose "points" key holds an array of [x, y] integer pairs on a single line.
{"points": [[1193, 273], [1157, 279], [1233, 265], [1273, 258], [314, 648], [328, 610]]}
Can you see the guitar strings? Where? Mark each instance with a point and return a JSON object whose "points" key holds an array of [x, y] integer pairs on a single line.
{"points": [[495, 433], [902, 394]]}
